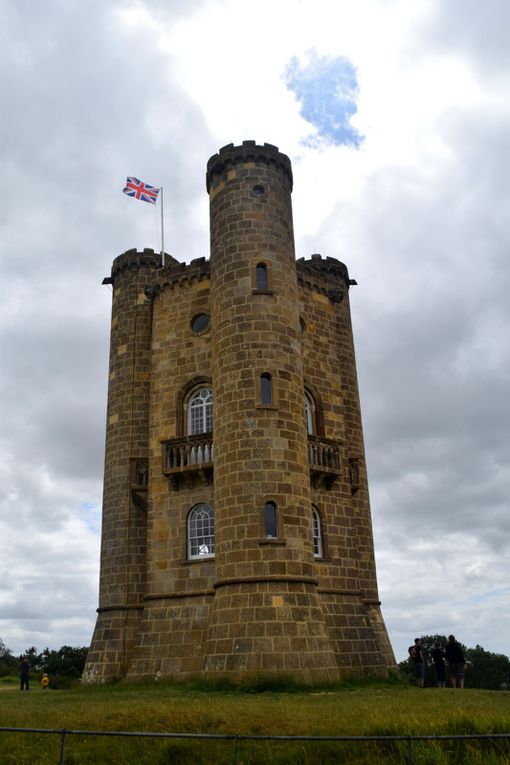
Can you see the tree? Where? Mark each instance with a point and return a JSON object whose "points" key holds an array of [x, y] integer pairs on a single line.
{"points": [[486, 669], [8, 662], [34, 658], [67, 661]]}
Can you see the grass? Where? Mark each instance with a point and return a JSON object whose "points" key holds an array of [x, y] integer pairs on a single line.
{"points": [[261, 707]]}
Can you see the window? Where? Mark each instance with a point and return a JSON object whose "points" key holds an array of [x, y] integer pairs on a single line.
{"points": [[354, 474], [317, 534], [201, 542], [200, 412], [270, 527], [199, 323], [310, 414], [266, 389], [261, 276]]}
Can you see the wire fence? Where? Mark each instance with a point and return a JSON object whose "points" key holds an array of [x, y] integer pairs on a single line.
{"points": [[237, 739]]}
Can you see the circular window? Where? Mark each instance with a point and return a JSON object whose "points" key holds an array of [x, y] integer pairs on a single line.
{"points": [[258, 190], [200, 323]]}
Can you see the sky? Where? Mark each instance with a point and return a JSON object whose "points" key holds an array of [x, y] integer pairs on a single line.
{"points": [[396, 118]]}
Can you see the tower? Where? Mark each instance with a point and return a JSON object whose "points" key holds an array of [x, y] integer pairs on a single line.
{"points": [[236, 524]]}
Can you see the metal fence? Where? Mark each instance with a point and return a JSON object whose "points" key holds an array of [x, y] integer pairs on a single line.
{"points": [[237, 739]]}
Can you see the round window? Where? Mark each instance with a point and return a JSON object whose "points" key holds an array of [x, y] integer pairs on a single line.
{"points": [[200, 323], [258, 190]]}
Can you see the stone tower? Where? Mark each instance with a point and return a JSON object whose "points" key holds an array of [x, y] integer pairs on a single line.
{"points": [[237, 531]]}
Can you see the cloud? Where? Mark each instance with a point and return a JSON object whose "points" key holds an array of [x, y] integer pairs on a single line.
{"points": [[85, 112], [477, 31], [326, 88]]}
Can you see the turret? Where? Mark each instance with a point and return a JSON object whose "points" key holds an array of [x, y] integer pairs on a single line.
{"points": [[124, 520], [266, 600]]}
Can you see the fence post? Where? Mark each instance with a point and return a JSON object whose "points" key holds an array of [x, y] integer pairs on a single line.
{"points": [[409, 751], [235, 749], [62, 746]]}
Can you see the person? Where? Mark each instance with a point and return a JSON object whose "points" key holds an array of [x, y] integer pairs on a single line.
{"points": [[418, 659], [456, 662], [438, 657], [45, 681], [24, 670]]}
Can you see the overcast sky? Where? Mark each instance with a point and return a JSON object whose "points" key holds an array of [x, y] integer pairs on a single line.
{"points": [[396, 117]]}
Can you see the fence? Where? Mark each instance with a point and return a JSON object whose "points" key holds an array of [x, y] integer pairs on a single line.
{"points": [[236, 739]]}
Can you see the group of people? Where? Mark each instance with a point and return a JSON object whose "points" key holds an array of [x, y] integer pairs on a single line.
{"points": [[452, 653], [24, 676]]}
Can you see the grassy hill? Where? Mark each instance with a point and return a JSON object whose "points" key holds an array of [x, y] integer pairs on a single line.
{"points": [[365, 708]]}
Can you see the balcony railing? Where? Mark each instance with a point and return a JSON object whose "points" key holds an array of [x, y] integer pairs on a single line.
{"points": [[324, 461], [189, 460]]}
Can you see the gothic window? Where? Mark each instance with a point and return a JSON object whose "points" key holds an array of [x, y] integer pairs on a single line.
{"points": [[266, 389], [318, 551], [201, 541], [270, 524], [310, 412], [261, 276], [200, 412]]}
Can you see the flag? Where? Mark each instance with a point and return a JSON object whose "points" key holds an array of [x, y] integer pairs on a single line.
{"points": [[140, 190]]}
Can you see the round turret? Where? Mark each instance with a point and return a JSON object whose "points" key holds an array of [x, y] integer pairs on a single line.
{"points": [[262, 499]]}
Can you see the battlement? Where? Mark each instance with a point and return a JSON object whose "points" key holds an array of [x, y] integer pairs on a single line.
{"points": [[177, 274], [134, 259], [328, 276], [249, 151]]}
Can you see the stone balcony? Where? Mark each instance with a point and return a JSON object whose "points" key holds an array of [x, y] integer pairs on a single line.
{"points": [[189, 460], [324, 460]]}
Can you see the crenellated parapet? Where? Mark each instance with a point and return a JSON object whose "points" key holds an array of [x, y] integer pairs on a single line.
{"points": [[177, 274], [328, 276], [133, 259], [249, 151]]}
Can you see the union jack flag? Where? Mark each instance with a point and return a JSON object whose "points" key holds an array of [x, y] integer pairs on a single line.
{"points": [[140, 190]]}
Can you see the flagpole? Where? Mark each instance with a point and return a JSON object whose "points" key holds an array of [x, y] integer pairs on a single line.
{"points": [[162, 233]]}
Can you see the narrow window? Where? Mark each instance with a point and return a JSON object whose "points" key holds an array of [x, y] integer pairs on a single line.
{"points": [[266, 389], [310, 414], [317, 534], [201, 540], [200, 412], [270, 519], [261, 276], [354, 474]]}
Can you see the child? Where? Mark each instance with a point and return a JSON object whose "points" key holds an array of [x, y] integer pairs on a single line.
{"points": [[45, 681]]}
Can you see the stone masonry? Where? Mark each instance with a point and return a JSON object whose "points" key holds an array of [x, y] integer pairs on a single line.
{"points": [[242, 545]]}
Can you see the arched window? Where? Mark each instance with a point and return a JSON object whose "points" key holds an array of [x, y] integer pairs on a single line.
{"points": [[200, 412], [261, 276], [318, 550], [266, 389], [201, 542], [310, 412], [270, 524]]}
